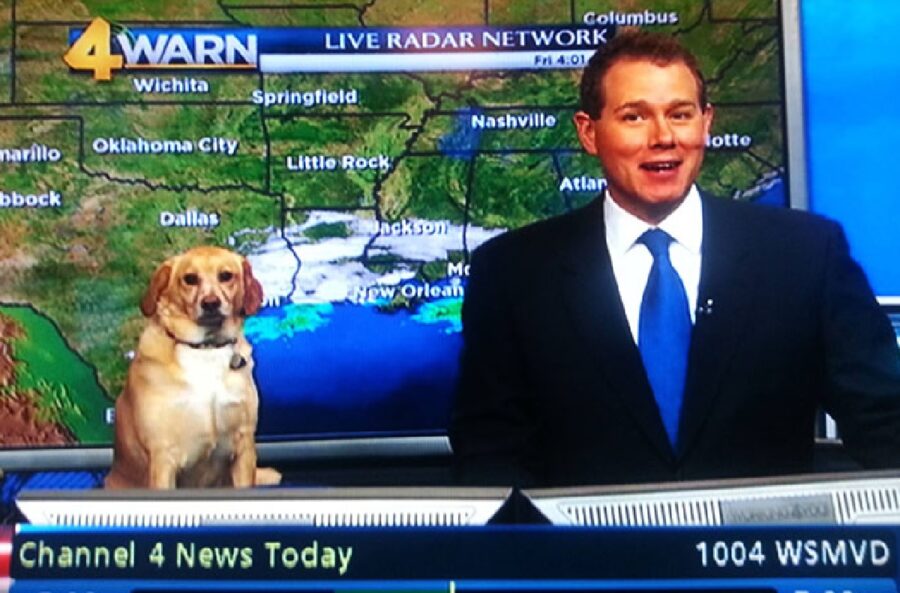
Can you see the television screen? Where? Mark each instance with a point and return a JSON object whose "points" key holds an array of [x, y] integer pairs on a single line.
{"points": [[356, 153], [851, 89]]}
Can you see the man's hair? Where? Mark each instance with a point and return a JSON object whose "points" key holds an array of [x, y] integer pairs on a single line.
{"points": [[657, 48]]}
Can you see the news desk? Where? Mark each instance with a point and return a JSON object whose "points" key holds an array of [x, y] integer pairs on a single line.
{"points": [[834, 535]]}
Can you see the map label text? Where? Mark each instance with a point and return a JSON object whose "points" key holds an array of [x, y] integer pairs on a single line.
{"points": [[350, 162], [431, 291], [189, 219], [214, 144], [412, 290], [412, 228], [207, 145], [347, 162], [509, 121], [140, 146], [729, 141], [305, 98], [36, 153], [174, 86], [582, 183], [306, 162], [457, 269], [630, 19], [50, 199]]}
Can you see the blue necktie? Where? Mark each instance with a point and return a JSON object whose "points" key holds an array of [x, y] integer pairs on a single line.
{"points": [[664, 332]]}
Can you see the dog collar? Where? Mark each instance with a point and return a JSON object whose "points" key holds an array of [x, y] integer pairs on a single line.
{"points": [[237, 361], [202, 345]]}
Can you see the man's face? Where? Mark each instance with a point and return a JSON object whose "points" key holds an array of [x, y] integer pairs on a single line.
{"points": [[650, 135]]}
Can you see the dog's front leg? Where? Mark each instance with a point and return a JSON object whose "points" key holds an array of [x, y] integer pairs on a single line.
{"points": [[243, 468], [163, 470]]}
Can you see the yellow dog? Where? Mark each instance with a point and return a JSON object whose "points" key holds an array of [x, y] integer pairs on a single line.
{"points": [[187, 415]]}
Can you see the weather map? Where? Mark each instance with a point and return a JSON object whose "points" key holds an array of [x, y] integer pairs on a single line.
{"points": [[356, 153]]}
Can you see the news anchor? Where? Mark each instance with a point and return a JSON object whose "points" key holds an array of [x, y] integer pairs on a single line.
{"points": [[661, 334]]}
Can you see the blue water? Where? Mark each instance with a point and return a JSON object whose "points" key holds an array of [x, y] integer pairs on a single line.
{"points": [[774, 196], [362, 371]]}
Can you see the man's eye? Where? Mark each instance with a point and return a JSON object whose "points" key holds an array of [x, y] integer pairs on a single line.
{"points": [[682, 115], [191, 279], [631, 117], [225, 276]]}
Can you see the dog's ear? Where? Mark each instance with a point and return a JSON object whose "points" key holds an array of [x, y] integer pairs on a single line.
{"points": [[253, 293], [157, 284]]}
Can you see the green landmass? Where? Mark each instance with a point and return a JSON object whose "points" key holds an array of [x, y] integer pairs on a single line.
{"points": [[328, 230], [381, 263], [434, 270], [66, 388], [514, 190]]}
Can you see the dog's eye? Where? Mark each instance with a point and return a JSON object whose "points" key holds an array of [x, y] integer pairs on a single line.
{"points": [[191, 279], [225, 276]]}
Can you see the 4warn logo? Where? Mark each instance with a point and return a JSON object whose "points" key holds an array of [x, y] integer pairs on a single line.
{"points": [[103, 48]]}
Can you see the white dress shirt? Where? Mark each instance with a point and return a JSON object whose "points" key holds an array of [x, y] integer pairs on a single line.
{"points": [[631, 261]]}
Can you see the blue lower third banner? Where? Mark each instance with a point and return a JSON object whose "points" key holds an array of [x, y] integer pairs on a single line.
{"points": [[458, 559], [772, 586]]}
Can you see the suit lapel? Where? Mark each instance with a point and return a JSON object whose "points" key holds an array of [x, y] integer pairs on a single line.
{"points": [[728, 281], [592, 297]]}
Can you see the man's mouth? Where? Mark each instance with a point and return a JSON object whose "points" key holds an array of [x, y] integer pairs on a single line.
{"points": [[661, 166]]}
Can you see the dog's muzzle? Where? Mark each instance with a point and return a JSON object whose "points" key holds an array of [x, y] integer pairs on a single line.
{"points": [[211, 315], [211, 319]]}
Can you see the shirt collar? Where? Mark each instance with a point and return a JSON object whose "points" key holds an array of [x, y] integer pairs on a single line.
{"points": [[684, 224]]}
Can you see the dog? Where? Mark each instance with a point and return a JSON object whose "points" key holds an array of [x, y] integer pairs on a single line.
{"points": [[187, 415]]}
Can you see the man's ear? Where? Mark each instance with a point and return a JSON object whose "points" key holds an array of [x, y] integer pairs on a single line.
{"points": [[157, 285], [584, 127], [253, 292]]}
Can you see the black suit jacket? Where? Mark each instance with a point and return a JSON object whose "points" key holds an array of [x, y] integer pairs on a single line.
{"points": [[553, 390]]}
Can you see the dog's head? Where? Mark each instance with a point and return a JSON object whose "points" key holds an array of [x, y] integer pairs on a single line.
{"points": [[202, 295]]}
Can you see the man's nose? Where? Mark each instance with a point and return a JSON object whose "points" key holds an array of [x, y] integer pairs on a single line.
{"points": [[661, 132], [210, 303]]}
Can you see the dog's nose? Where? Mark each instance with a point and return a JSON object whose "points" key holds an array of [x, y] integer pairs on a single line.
{"points": [[210, 303]]}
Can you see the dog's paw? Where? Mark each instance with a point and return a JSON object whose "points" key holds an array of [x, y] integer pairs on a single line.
{"points": [[267, 476]]}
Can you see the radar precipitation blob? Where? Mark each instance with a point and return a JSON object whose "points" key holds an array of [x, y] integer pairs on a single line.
{"points": [[356, 167]]}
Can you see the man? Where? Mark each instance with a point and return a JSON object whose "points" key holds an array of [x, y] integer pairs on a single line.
{"points": [[598, 352]]}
